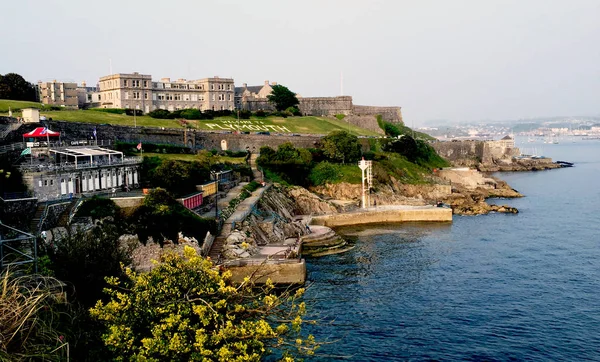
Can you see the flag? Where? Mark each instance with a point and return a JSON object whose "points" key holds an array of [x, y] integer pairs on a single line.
{"points": [[139, 146], [26, 151], [44, 131], [94, 132]]}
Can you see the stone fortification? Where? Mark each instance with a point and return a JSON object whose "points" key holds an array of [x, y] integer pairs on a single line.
{"points": [[473, 153], [176, 136], [390, 114], [331, 106], [325, 106]]}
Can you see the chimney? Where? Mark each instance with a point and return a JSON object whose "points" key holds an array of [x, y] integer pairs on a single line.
{"points": [[274, 83], [245, 85], [83, 84], [266, 82]]}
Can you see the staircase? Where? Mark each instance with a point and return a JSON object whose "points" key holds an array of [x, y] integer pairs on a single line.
{"points": [[323, 241], [39, 214], [217, 246]]}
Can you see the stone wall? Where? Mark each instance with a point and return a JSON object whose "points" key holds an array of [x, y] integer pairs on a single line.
{"points": [[18, 213], [325, 106], [183, 137], [466, 153], [471, 153], [390, 114], [389, 214], [366, 122]]}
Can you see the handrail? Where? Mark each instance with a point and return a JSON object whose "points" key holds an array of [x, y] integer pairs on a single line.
{"points": [[74, 209]]}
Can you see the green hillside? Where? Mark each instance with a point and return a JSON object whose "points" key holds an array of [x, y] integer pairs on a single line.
{"points": [[301, 125], [16, 106]]}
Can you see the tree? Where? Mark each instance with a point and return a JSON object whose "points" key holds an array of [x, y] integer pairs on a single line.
{"points": [[162, 218], [282, 98], [186, 310], [85, 258], [13, 86], [341, 146], [291, 163]]}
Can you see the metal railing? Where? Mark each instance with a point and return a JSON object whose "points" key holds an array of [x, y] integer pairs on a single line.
{"points": [[80, 165]]}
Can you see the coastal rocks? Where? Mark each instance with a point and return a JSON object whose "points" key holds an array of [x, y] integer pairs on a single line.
{"points": [[307, 203], [481, 208]]}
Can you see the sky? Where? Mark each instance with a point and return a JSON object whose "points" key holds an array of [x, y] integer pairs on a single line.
{"points": [[456, 61]]}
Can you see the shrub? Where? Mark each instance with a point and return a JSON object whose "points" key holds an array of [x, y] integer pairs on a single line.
{"points": [[244, 114], [323, 173], [340, 116], [191, 114], [260, 113], [160, 114]]}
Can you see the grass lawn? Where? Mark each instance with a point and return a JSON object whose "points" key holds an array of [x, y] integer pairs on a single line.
{"points": [[301, 125], [17, 105], [189, 158]]}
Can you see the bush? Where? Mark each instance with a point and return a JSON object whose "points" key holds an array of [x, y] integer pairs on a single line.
{"points": [[191, 114], [260, 113], [160, 114], [323, 173], [98, 208], [293, 111], [244, 114], [340, 116]]}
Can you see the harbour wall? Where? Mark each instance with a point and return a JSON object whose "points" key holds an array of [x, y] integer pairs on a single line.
{"points": [[389, 214]]}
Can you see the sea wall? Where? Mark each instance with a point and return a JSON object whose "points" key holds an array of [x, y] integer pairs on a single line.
{"points": [[386, 214], [287, 273]]}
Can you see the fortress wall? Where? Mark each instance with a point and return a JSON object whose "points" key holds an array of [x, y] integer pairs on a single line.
{"points": [[390, 114], [176, 136], [467, 153], [366, 122], [325, 106], [257, 105]]}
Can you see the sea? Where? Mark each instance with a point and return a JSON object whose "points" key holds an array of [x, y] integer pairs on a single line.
{"points": [[496, 287]]}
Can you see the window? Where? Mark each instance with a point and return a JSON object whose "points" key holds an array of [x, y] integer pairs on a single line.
{"points": [[212, 87], [125, 83], [99, 97], [40, 183], [45, 182], [51, 182], [229, 87], [146, 95], [126, 95], [213, 98], [230, 97], [145, 83]]}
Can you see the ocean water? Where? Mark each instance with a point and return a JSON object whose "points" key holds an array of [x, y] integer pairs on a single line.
{"points": [[497, 287]]}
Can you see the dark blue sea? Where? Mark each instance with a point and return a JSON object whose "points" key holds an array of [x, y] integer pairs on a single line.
{"points": [[497, 287]]}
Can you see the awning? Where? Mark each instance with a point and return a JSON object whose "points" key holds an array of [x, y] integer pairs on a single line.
{"points": [[41, 132]]}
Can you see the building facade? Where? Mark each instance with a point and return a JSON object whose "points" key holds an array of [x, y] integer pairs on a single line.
{"points": [[139, 91], [88, 97], [254, 98], [58, 94]]}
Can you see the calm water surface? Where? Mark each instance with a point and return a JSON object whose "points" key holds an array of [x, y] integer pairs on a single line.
{"points": [[495, 287]]}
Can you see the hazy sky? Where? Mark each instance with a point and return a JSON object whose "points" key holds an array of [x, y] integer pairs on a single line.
{"points": [[451, 60]]}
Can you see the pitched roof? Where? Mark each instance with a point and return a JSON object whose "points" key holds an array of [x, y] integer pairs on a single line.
{"points": [[507, 137]]}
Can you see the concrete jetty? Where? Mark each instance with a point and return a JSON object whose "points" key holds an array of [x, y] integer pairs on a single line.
{"points": [[386, 214]]}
